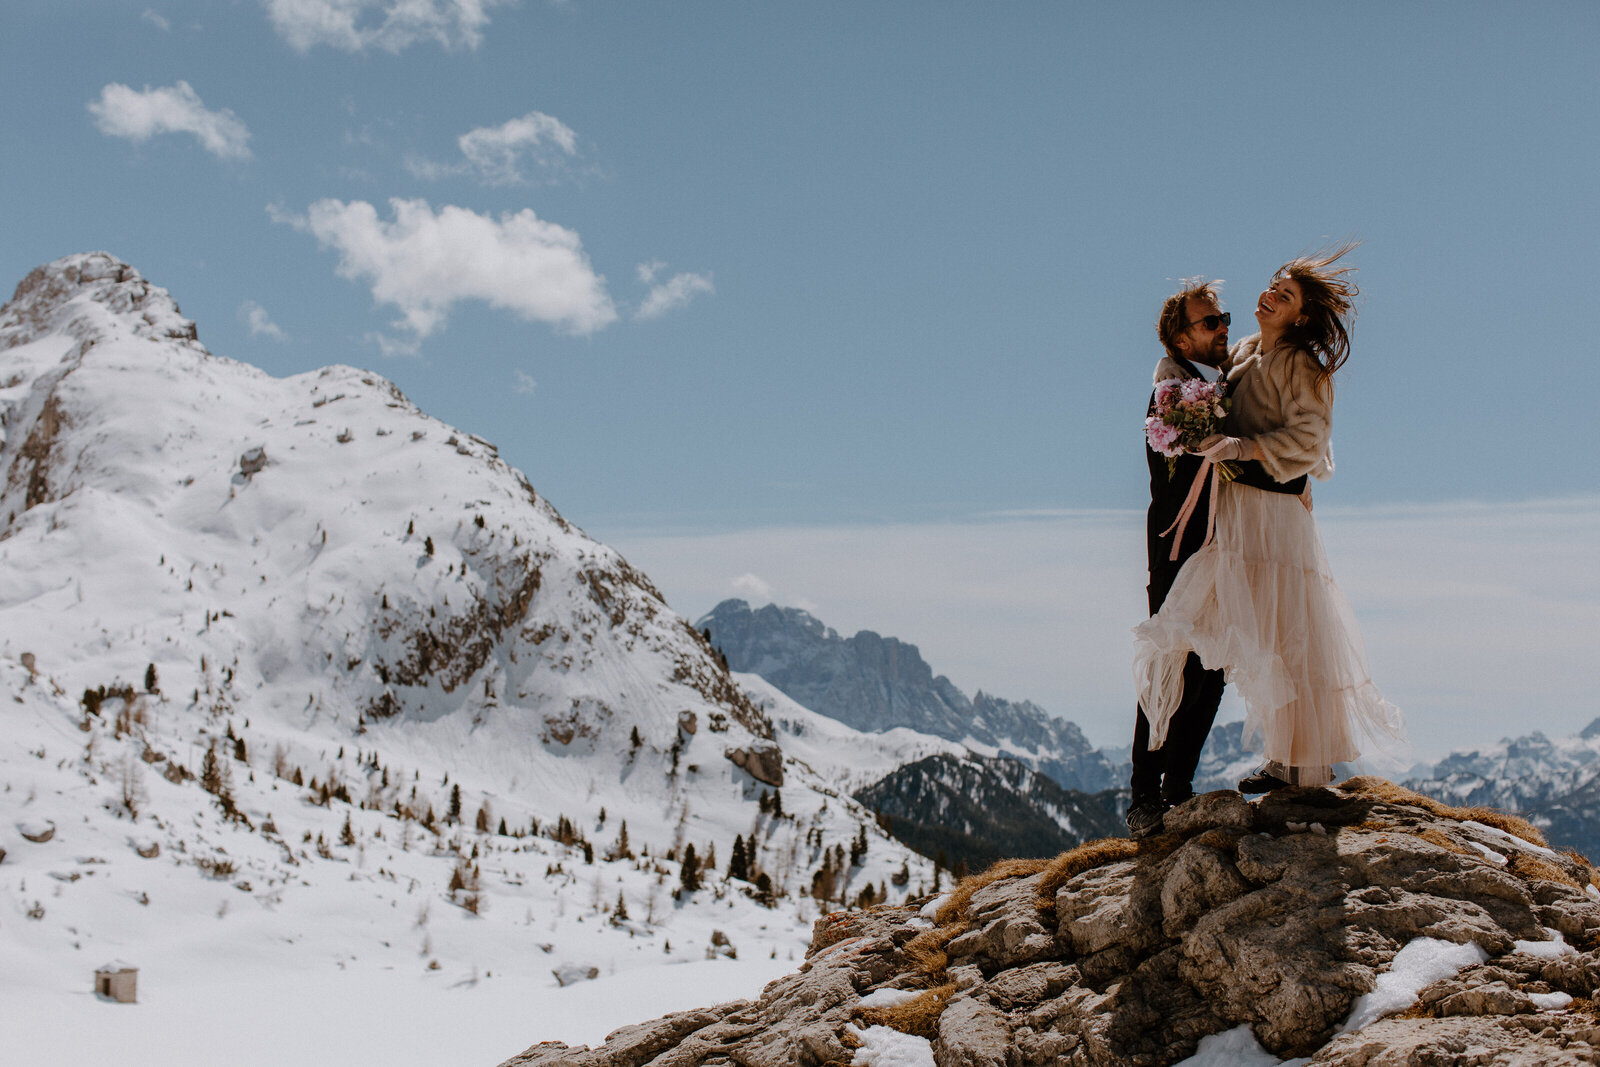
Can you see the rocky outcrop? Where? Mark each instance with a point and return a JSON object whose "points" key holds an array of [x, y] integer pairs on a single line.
{"points": [[761, 761], [1359, 926]]}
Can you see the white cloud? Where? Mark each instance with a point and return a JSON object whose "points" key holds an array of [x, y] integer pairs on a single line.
{"points": [[525, 383], [392, 25], [424, 262], [156, 20], [496, 155], [1480, 620], [138, 116], [749, 587], [260, 323], [393, 347], [671, 294]]}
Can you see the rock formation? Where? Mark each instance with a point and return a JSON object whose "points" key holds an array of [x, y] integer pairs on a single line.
{"points": [[1359, 926]]}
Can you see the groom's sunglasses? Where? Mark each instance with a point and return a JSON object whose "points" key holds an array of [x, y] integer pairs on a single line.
{"points": [[1212, 322]]}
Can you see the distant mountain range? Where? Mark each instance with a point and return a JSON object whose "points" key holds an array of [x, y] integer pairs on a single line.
{"points": [[1556, 784], [876, 683]]}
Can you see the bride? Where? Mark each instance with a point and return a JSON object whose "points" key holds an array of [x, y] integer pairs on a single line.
{"points": [[1259, 600]]}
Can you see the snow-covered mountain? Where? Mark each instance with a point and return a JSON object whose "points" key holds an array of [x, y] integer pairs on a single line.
{"points": [[1555, 784], [309, 647], [875, 683]]}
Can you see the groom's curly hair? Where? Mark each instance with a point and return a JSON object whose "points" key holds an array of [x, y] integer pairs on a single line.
{"points": [[1174, 317]]}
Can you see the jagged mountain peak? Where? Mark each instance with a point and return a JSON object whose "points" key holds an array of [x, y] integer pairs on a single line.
{"points": [[733, 610], [315, 552], [90, 295]]}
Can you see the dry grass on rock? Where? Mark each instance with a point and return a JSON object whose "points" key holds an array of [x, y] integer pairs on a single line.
{"points": [[1435, 836], [1385, 790], [918, 1016], [1086, 857], [926, 950], [961, 896]]}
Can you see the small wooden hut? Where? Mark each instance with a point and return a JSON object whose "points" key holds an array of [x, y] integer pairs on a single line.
{"points": [[117, 981]]}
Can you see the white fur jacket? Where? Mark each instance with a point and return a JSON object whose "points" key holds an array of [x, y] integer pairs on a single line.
{"points": [[1279, 403]]}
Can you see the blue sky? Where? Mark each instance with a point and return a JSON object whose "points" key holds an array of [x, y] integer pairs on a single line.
{"points": [[704, 267]]}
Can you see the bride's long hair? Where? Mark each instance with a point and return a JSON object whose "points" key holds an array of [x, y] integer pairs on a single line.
{"points": [[1328, 303]]}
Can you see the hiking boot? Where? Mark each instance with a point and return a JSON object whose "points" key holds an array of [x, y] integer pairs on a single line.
{"points": [[1174, 799], [1145, 818], [1261, 782]]}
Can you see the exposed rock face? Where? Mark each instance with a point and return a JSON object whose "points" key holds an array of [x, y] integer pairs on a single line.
{"points": [[1281, 915], [763, 762]]}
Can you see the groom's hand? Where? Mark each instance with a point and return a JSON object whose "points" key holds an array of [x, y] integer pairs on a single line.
{"points": [[1231, 447]]}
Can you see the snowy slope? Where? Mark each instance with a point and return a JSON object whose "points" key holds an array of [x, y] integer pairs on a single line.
{"points": [[322, 585]]}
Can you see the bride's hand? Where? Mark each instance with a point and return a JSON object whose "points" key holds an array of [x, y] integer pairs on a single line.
{"points": [[1232, 447]]}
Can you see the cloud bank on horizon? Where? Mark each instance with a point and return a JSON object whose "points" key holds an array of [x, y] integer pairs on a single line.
{"points": [[1474, 639]]}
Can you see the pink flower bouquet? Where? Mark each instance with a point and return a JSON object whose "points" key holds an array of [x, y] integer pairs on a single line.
{"points": [[1187, 411]]}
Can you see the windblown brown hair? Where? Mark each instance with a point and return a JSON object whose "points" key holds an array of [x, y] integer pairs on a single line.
{"points": [[1174, 315], [1328, 303]]}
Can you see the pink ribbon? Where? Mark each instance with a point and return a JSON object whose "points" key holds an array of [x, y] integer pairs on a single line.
{"points": [[1209, 467]]}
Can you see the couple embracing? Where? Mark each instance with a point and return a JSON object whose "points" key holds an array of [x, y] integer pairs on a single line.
{"points": [[1240, 590]]}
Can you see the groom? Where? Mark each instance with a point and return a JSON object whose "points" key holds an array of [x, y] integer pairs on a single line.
{"points": [[1194, 331]]}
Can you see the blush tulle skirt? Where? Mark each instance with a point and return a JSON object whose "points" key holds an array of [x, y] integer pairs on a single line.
{"points": [[1260, 603]]}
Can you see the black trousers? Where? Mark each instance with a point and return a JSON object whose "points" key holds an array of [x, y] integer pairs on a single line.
{"points": [[1168, 773]]}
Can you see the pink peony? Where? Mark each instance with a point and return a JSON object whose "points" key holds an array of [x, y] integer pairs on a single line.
{"points": [[1195, 390], [1162, 438]]}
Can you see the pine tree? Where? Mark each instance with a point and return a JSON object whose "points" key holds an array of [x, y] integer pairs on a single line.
{"points": [[211, 772], [483, 818], [620, 915], [502, 831], [150, 679], [454, 814], [427, 545], [689, 874], [623, 850], [858, 847], [738, 866], [347, 836]]}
